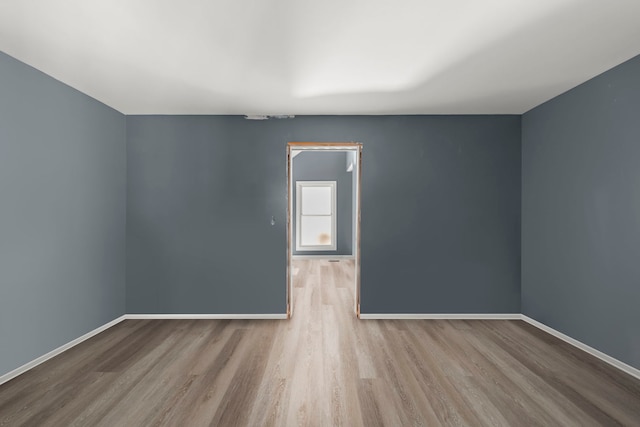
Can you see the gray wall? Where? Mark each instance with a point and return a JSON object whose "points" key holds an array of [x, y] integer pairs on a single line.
{"points": [[62, 214], [440, 212], [201, 192], [327, 166], [441, 215], [581, 213]]}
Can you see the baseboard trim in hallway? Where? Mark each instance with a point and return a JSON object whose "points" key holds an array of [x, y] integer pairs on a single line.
{"points": [[53, 353], [322, 257]]}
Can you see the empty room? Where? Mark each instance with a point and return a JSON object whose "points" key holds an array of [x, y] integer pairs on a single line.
{"points": [[296, 213]]}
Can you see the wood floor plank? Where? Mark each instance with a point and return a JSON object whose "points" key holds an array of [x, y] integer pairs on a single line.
{"points": [[372, 414], [322, 367], [549, 405]]}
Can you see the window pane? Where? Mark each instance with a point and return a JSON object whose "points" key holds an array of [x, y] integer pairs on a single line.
{"points": [[315, 231], [316, 200]]}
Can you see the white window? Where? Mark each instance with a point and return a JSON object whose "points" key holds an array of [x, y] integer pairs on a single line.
{"points": [[316, 215]]}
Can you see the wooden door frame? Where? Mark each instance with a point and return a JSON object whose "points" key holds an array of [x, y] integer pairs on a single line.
{"points": [[323, 146]]}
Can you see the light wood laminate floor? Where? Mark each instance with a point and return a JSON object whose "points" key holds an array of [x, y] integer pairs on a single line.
{"points": [[321, 368]]}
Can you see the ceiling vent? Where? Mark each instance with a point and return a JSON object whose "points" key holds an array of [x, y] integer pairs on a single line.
{"points": [[265, 117]]}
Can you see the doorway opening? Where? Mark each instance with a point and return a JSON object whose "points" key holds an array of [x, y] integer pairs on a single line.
{"points": [[311, 221]]}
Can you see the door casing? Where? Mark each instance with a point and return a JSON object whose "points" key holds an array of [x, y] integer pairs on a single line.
{"points": [[323, 146]]}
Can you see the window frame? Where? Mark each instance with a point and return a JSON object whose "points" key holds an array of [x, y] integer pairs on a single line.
{"points": [[334, 221]]}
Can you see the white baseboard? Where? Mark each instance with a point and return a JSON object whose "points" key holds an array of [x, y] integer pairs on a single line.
{"points": [[515, 316], [401, 316], [205, 316], [340, 257], [582, 346], [35, 362], [442, 316], [30, 365]]}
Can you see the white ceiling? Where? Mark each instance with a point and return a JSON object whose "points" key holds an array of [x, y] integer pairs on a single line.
{"points": [[321, 56]]}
